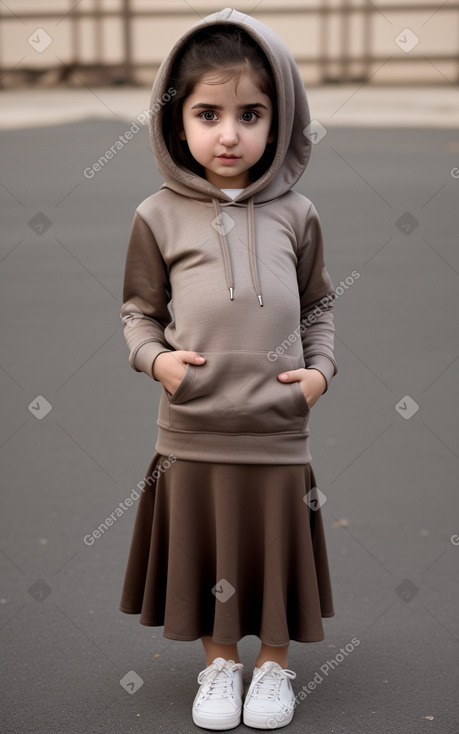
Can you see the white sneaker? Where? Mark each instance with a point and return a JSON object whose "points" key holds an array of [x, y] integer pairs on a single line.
{"points": [[218, 703], [270, 700]]}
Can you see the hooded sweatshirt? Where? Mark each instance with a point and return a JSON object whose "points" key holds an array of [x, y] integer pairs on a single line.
{"points": [[238, 277]]}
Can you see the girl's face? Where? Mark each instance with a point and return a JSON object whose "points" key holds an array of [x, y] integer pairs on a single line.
{"points": [[216, 123]]}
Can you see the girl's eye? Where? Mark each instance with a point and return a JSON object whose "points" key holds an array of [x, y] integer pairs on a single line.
{"points": [[207, 112], [251, 112]]}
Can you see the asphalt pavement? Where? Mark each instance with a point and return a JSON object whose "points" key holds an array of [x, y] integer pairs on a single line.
{"points": [[78, 432]]}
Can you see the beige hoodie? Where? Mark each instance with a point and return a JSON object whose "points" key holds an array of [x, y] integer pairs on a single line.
{"points": [[241, 281]]}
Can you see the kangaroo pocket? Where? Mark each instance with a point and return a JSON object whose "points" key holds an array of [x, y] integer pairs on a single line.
{"points": [[237, 392]]}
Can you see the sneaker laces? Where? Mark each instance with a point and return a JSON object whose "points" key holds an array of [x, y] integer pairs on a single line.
{"points": [[268, 678], [218, 677]]}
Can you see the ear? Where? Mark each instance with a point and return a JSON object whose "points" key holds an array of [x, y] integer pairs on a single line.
{"points": [[182, 135], [271, 137]]}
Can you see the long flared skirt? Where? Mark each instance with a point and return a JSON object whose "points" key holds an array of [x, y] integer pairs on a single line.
{"points": [[229, 550]]}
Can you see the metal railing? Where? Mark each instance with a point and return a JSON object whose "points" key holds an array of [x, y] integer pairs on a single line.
{"points": [[347, 41]]}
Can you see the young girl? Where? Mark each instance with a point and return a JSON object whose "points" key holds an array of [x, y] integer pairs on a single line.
{"points": [[227, 304]]}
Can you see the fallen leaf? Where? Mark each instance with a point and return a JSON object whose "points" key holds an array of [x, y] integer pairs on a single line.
{"points": [[341, 523]]}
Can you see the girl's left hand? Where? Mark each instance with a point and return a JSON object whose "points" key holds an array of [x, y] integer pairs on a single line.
{"points": [[312, 382]]}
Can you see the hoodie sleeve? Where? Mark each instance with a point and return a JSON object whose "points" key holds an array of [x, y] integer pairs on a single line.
{"points": [[316, 299], [146, 294]]}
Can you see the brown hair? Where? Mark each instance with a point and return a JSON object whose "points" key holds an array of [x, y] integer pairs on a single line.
{"points": [[230, 52]]}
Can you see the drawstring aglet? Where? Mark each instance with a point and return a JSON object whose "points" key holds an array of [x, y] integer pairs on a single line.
{"points": [[260, 301], [231, 294]]}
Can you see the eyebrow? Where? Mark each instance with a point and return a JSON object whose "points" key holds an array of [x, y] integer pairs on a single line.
{"points": [[219, 107]]}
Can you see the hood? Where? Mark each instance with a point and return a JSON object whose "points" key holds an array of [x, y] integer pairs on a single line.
{"points": [[293, 146]]}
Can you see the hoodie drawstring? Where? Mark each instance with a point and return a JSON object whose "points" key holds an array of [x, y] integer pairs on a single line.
{"points": [[223, 244], [252, 254]]}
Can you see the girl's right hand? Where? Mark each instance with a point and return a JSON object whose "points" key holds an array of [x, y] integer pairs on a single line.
{"points": [[169, 367]]}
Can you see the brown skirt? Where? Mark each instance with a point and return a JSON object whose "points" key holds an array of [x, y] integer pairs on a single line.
{"points": [[229, 550]]}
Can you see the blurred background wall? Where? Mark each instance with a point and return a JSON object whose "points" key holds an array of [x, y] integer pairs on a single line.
{"points": [[73, 43]]}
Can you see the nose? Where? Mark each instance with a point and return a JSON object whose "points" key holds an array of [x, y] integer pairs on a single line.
{"points": [[228, 133]]}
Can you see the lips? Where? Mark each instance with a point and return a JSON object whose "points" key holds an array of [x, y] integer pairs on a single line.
{"points": [[228, 156]]}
